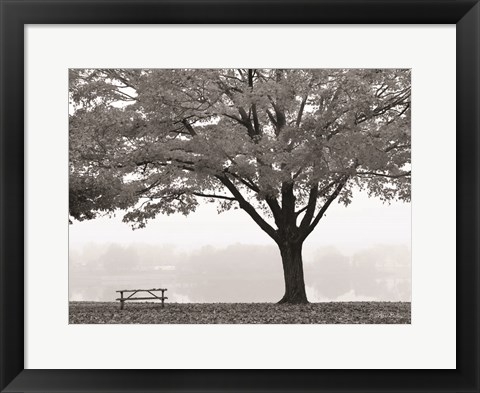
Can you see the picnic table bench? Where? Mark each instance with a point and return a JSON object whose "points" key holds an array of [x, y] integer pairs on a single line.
{"points": [[135, 291]]}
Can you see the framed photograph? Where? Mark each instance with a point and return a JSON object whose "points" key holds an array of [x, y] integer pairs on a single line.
{"points": [[240, 196]]}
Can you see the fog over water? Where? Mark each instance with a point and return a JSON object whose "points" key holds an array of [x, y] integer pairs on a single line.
{"points": [[238, 273], [359, 252]]}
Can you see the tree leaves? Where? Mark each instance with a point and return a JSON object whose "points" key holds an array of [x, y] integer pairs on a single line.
{"points": [[154, 141], [240, 313]]}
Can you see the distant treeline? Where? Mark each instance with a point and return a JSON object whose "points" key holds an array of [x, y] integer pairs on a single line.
{"points": [[238, 273]]}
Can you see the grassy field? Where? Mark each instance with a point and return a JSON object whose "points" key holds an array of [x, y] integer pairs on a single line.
{"points": [[246, 313]]}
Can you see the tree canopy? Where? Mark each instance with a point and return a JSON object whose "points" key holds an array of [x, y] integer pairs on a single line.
{"points": [[280, 144]]}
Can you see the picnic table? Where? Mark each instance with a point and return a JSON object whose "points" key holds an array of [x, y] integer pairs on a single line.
{"points": [[153, 295]]}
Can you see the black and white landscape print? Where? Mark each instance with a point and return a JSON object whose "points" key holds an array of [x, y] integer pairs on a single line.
{"points": [[230, 196]]}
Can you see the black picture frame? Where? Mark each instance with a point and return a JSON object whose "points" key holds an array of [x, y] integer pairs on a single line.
{"points": [[15, 14]]}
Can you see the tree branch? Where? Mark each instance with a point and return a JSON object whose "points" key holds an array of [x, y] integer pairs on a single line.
{"points": [[245, 205], [272, 119], [310, 211], [300, 111], [297, 213], [249, 183], [199, 194], [189, 127], [324, 208], [271, 201], [146, 189], [256, 124], [281, 120], [237, 119], [275, 208], [385, 175]]}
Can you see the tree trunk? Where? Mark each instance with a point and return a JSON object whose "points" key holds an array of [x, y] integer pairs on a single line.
{"points": [[293, 272]]}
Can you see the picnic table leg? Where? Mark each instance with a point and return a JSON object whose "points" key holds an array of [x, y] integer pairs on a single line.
{"points": [[121, 301]]}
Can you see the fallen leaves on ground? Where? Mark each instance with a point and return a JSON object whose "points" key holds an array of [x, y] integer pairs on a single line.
{"points": [[240, 313]]}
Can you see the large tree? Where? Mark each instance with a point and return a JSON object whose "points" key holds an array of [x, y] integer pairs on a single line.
{"points": [[282, 145]]}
